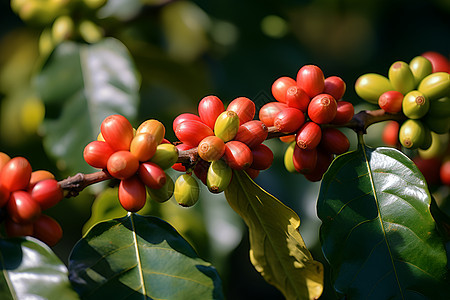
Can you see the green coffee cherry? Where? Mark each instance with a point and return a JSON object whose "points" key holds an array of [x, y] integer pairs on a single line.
{"points": [[89, 31], [435, 85], [186, 190], [438, 125], [62, 29], [438, 146], [401, 77], [420, 68], [166, 156], [412, 134], [415, 105], [440, 107], [370, 87], [219, 176], [164, 193], [288, 161], [427, 139], [227, 125]]}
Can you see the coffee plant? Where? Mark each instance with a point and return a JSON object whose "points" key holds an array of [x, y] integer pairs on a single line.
{"points": [[383, 232]]}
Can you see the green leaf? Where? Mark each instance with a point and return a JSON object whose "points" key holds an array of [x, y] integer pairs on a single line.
{"points": [[277, 249], [84, 84], [139, 257], [378, 233], [30, 270]]}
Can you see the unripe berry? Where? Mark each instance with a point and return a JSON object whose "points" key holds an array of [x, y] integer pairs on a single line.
{"points": [[166, 155], [304, 160], [415, 105], [47, 193], [153, 127], [401, 77], [289, 120], [322, 109], [14, 229], [192, 132], [244, 108], [16, 174], [164, 193], [420, 68], [334, 141], [47, 230], [211, 148], [308, 136], [97, 153], [262, 157], [334, 86], [238, 155], [288, 158], [186, 190], [439, 125], [152, 175], [435, 86], [297, 98], [132, 194], [122, 164], [440, 107], [412, 134], [344, 113], [184, 117], [280, 86], [269, 111], [252, 133], [219, 176], [310, 79], [370, 87], [22, 208], [390, 133], [227, 125], [143, 146], [391, 102], [117, 132], [209, 108]]}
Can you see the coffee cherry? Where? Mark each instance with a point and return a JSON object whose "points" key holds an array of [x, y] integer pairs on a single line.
{"points": [[435, 85], [323, 161], [4, 195], [201, 170], [440, 107], [192, 132], [334, 141], [439, 62], [186, 190], [334, 86], [401, 77], [122, 164], [426, 140], [308, 136], [211, 148], [420, 68], [412, 134], [152, 175], [322, 109], [415, 105], [310, 79], [117, 132], [391, 102], [132, 194], [37, 176], [153, 127], [444, 173], [164, 193], [238, 155], [143, 146], [252, 133], [390, 133], [22, 208], [288, 158], [219, 176], [280, 86], [166, 155], [269, 111], [370, 87], [262, 157], [244, 108], [289, 120], [14, 229], [47, 230], [97, 153], [287, 138], [429, 169], [297, 98], [4, 158], [344, 113], [304, 160], [227, 125], [209, 108], [184, 117], [16, 174], [252, 173], [47, 193], [438, 146]]}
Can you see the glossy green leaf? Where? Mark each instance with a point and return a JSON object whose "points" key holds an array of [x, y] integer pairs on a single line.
{"points": [[84, 84], [277, 249], [30, 270], [378, 233], [139, 257]]}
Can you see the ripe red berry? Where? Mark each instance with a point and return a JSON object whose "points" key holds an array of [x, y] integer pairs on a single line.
{"points": [[117, 132], [310, 79], [192, 132], [324, 160], [280, 86], [22, 208], [14, 229], [308, 136], [344, 113], [37, 176], [289, 120], [252, 133], [238, 155], [252, 172], [4, 158], [391, 101], [4, 195], [304, 160], [16, 174], [322, 109], [122, 164], [47, 230], [97, 153], [244, 108], [444, 173], [269, 111], [262, 157], [211, 148], [429, 168], [439, 62], [297, 98], [184, 117], [132, 194], [334, 141], [287, 138], [209, 108], [47, 193], [334, 86], [390, 133], [152, 175]]}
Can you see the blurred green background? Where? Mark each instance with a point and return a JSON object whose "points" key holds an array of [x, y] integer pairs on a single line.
{"points": [[185, 50]]}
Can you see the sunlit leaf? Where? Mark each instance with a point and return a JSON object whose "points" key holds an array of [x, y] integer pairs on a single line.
{"points": [[142, 257], [277, 249], [378, 232]]}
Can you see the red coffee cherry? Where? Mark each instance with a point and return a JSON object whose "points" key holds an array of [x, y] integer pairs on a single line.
{"points": [[334, 141], [269, 111], [238, 155], [37, 176], [391, 102], [334, 86], [280, 86], [132, 194], [192, 132], [97, 153], [289, 120], [209, 108], [22, 208], [211, 148], [252, 133], [184, 117], [304, 160], [390, 133], [152, 175], [201, 170], [262, 157], [344, 113], [47, 193], [310, 79], [244, 108], [16, 174], [14, 229], [143, 146], [287, 138], [439, 62], [47, 230], [117, 132], [297, 98], [324, 160], [308, 136], [252, 172], [122, 164], [4, 158], [429, 168], [444, 173], [322, 109], [4, 195], [153, 127]]}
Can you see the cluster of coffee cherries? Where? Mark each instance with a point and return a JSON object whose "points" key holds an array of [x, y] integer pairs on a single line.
{"points": [[420, 90], [304, 110], [137, 158], [224, 139], [24, 194]]}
